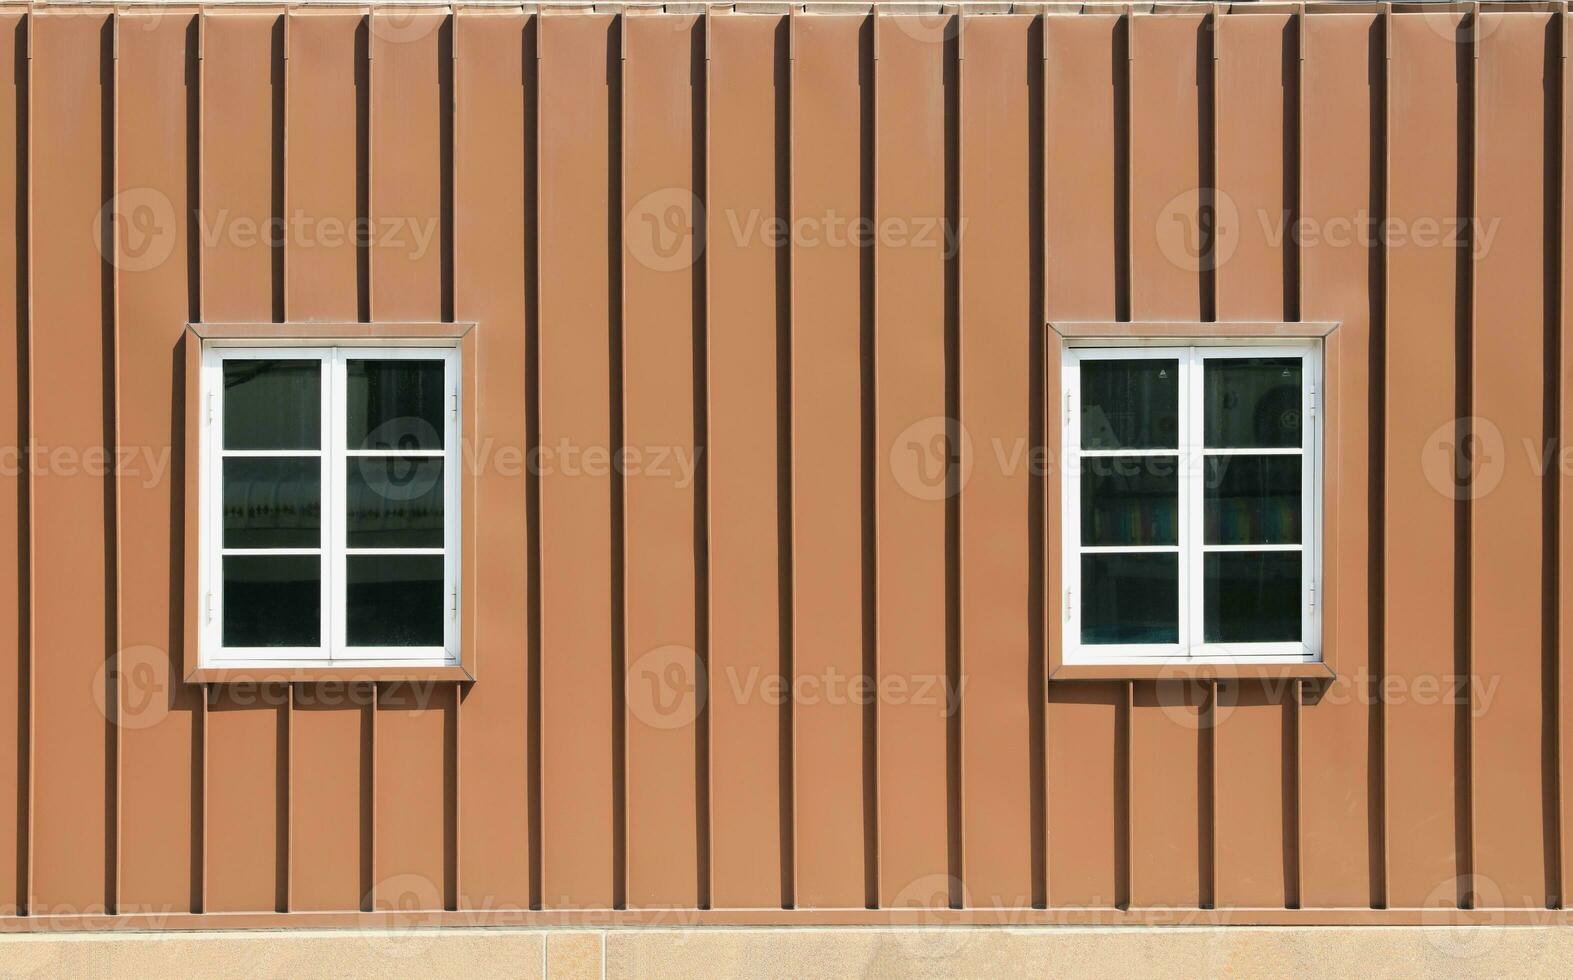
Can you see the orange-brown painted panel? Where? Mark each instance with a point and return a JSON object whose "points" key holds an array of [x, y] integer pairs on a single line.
{"points": [[1168, 722], [246, 738], [1564, 537], [1086, 247], [71, 350], [414, 801], [494, 132], [324, 175], [411, 61], [581, 669], [912, 450], [242, 194], [411, 98], [1425, 319], [246, 814], [1168, 104], [1253, 804], [323, 196], [330, 782], [1001, 613], [160, 799], [1253, 799], [1510, 637], [13, 434], [1086, 226], [833, 768], [1087, 730], [1168, 781], [1340, 93], [662, 111], [746, 267]]}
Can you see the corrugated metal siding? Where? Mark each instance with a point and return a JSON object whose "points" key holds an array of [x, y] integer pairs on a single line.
{"points": [[557, 162]]}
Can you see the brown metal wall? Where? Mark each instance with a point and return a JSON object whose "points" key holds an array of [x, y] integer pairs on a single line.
{"points": [[726, 237]]}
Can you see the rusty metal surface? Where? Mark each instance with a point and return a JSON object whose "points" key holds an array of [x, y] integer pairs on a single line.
{"points": [[763, 427]]}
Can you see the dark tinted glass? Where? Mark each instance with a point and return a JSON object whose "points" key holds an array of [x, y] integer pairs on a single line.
{"points": [[272, 502], [1252, 499], [1252, 402], [395, 501], [1129, 500], [272, 600], [1130, 598], [272, 404], [395, 600], [1251, 596], [1130, 404], [395, 405]]}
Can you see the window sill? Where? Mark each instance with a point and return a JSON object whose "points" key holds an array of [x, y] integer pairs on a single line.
{"points": [[340, 674], [1174, 670]]}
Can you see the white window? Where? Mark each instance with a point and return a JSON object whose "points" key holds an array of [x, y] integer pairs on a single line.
{"points": [[329, 501], [1192, 486]]}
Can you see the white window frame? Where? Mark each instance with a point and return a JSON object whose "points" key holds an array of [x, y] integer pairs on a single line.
{"points": [[1191, 354], [335, 651]]}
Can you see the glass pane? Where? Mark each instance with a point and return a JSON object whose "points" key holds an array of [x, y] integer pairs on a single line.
{"points": [[1252, 402], [1130, 500], [395, 501], [1130, 404], [1130, 598], [1252, 499], [395, 404], [1251, 597], [272, 600], [272, 502], [272, 404], [395, 600]]}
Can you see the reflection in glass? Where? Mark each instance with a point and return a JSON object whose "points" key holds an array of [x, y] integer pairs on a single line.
{"points": [[1130, 404], [1252, 402], [1251, 596], [1130, 598], [1129, 500], [1252, 500], [272, 404], [396, 404], [394, 501], [272, 600], [394, 600], [272, 502]]}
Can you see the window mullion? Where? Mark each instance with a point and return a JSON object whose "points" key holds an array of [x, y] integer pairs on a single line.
{"points": [[333, 503], [1193, 481]]}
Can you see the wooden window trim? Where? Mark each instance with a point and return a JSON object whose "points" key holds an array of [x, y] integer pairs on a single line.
{"points": [[320, 333], [1056, 334]]}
